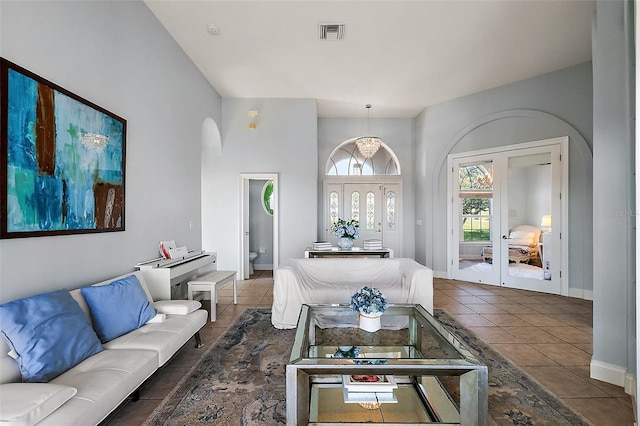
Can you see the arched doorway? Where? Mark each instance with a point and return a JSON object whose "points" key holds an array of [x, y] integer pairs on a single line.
{"points": [[365, 189]]}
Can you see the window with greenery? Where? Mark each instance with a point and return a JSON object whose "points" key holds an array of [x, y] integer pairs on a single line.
{"points": [[267, 197], [475, 198]]}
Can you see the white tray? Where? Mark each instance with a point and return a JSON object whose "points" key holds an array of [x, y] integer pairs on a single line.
{"points": [[386, 384]]}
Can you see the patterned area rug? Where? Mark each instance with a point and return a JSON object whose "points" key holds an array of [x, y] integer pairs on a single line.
{"points": [[240, 380]]}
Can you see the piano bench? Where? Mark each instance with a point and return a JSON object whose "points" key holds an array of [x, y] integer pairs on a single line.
{"points": [[212, 282]]}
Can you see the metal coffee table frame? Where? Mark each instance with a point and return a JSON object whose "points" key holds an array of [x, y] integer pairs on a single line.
{"points": [[305, 370]]}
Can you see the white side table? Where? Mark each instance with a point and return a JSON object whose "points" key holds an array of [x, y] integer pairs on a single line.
{"points": [[212, 282]]}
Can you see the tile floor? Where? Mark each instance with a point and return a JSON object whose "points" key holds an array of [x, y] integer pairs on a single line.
{"points": [[547, 336]]}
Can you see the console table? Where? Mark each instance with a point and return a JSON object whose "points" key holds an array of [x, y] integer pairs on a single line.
{"points": [[354, 251]]}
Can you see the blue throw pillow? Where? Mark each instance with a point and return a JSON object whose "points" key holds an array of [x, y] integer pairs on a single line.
{"points": [[49, 332], [118, 307]]}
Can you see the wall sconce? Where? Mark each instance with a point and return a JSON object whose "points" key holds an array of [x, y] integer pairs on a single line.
{"points": [[253, 113]]}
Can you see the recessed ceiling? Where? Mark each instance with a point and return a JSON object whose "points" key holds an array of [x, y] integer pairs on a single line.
{"points": [[400, 56]]}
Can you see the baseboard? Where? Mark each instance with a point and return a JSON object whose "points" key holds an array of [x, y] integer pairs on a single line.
{"points": [[263, 266], [609, 373], [440, 274], [630, 385], [581, 294]]}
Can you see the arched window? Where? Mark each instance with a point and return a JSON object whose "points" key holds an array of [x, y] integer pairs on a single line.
{"points": [[346, 160]]}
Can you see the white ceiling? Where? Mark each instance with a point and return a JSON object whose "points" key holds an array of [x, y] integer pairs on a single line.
{"points": [[400, 56]]}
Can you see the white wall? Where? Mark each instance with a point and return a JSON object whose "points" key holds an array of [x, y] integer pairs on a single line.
{"points": [[399, 135], [539, 200], [284, 142], [552, 105], [529, 195], [518, 191], [613, 204], [117, 55]]}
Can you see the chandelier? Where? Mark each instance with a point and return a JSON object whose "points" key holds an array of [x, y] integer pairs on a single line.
{"points": [[368, 145]]}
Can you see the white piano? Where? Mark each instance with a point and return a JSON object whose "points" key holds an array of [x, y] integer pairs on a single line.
{"points": [[165, 276]]}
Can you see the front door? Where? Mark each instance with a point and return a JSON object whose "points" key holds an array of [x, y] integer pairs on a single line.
{"points": [[363, 202], [377, 206]]}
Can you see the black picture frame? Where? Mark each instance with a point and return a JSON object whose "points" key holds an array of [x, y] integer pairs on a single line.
{"points": [[63, 160]]}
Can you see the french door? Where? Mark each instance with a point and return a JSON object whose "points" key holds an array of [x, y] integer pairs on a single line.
{"points": [[507, 216], [376, 206], [363, 202]]}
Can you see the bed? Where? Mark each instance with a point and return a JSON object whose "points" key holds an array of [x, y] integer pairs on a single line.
{"points": [[523, 245]]}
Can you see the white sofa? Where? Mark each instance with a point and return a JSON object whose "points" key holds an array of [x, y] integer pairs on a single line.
{"points": [[89, 391], [334, 280]]}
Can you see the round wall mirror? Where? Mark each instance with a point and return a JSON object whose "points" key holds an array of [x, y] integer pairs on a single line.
{"points": [[267, 197]]}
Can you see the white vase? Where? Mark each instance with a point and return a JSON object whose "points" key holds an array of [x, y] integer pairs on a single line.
{"points": [[370, 322], [345, 243]]}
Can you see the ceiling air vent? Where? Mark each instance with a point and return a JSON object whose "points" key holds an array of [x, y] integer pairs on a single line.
{"points": [[331, 31]]}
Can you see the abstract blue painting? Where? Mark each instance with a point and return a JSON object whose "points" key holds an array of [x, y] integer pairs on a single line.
{"points": [[63, 160]]}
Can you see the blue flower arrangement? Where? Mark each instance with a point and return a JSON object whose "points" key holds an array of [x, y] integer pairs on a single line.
{"points": [[346, 229], [347, 352], [368, 300]]}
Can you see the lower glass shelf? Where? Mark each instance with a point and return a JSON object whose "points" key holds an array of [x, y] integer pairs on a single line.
{"points": [[327, 405]]}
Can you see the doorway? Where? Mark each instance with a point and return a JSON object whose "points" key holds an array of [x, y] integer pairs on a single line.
{"points": [[260, 222], [507, 216]]}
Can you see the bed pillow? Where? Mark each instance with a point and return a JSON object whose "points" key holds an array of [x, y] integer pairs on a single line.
{"points": [[50, 334], [525, 242], [118, 307], [177, 307], [522, 238]]}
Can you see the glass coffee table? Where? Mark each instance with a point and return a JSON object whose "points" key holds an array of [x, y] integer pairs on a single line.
{"points": [[412, 371]]}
